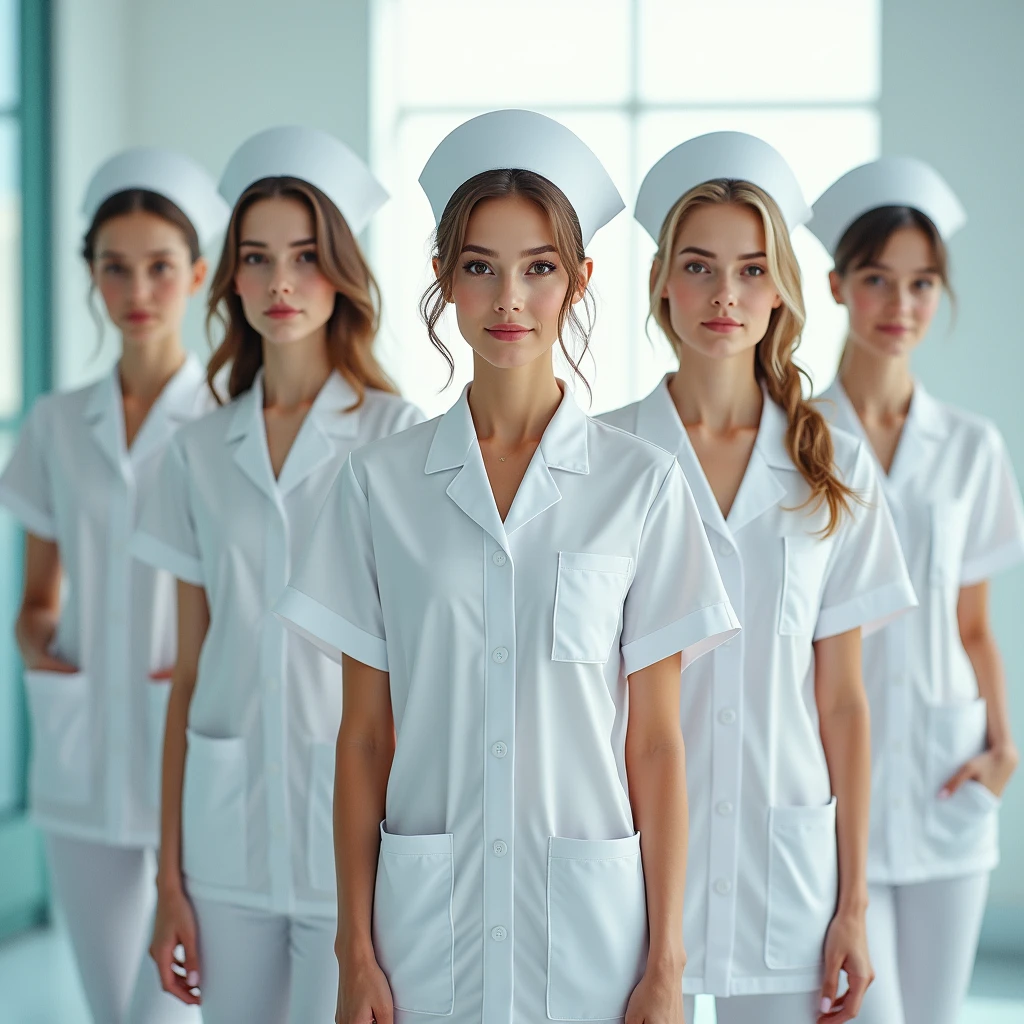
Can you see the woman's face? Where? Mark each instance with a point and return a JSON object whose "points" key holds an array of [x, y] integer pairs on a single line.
{"points": [[144, 272], [719, 291], [893, 300], [285, 296], [510, 283]]}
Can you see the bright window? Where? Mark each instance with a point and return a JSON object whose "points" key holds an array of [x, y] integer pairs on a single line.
{"points": [[632, 78]]}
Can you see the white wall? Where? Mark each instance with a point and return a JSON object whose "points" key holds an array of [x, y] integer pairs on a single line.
{"points": [[952, 93]]}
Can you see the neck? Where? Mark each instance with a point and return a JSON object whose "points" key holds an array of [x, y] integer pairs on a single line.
{"points": [[513, 405], [720, 394], [145, 369], [881, 385], [294, 373]]}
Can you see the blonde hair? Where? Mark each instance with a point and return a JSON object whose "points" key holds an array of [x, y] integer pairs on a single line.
{"points": [[808, 438], [352, 327]]}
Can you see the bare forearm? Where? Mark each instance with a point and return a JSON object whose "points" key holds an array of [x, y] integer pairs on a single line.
{"points": [[34, 632], [169, 874]]}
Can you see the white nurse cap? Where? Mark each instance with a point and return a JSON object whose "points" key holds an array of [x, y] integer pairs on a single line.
{"points": [[733, 155], [172, 175], [523, 140], [891, 181], [312, 156]]}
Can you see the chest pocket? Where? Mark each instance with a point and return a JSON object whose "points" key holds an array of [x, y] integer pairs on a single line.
{"points": [[588, 605], [805, 560], [945, 552]]}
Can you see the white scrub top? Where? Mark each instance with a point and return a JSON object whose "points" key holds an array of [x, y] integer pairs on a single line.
{"points": [[761, 881], [97, 735], [957, 507], [509, 884], [259, 771]]}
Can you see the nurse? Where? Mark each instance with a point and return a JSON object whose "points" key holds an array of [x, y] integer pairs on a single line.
{"points": [[246, 879], [942, 749], [498, 583], [775, 722], [96, 631]]}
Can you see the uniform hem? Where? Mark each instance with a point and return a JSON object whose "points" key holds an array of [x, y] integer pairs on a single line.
{"points": [[90, 834], [977, 570], [260, 901], [329, 632], [147, 548], [698, 633], [757, 986], [870, 611], [938, 873], [31, 519]]}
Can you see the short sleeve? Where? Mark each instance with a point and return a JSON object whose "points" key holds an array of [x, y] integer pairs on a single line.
{"points": [[333, 600], [676, 601], [165, 535], [867, 583], [995, 536], [25, 483]]}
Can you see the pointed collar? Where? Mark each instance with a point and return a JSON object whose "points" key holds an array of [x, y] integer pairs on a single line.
{"points": [[331, 409]]}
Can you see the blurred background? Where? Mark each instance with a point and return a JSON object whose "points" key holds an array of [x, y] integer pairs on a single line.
{"points": [[830, 83]]}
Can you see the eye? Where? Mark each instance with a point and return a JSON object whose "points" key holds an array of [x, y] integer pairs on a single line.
{"points": [[695, 267], [476, 268], [309, 256], [113, 268], [924, 284], [874, 279], [251, 259], [162, 267], [755, 271], [542, 269]]}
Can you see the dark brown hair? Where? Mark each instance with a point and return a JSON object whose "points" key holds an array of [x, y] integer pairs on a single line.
{"points": [[352, 326], [451, 236]]}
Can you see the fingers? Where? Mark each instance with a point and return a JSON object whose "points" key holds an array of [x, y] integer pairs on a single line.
{"points": [[848, 1005], [830, 986], [966, 772], [47, 663], [161, 676], [191, 947], [163, 954]]}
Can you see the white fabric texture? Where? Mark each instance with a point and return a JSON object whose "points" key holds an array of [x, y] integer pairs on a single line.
{"points": [[784, 1008], [263, 721], [262, 968], [509, 885], [97, 735], [762, 875], [107, 897], [957, 507]]}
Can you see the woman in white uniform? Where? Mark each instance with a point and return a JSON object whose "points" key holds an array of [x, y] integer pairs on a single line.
{"points": [[942, 749], [775, 722], [246, 880], [500, 581], [97, 661]]}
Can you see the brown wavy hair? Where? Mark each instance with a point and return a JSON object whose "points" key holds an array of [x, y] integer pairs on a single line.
{"points": [[352, 326], [808, 437], [568, 238]]}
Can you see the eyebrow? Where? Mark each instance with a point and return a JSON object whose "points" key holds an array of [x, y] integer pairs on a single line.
{"points": [[882, 266], [114, 254], [263, 245], [526, 252], [712, 256]]}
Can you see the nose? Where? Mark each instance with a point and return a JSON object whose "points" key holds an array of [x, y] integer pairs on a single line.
{"points": [[724, 296], [509, 298], [140, 287], [280, 281]]}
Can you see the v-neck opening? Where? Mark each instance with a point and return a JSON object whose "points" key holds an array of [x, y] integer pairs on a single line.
{"points": [[889, 475]]}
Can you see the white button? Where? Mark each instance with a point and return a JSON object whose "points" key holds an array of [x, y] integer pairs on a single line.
{"points": [[499, 934], [500, 654], [500, 849], [723, 886], [724, 808], [498, 558], [724, 548], [499, 749], [727, 716]]}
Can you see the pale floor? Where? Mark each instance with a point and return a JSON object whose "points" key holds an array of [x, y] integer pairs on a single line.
{"points": [[38, 985]]}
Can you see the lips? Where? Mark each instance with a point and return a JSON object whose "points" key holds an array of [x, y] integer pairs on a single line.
{"points": [[281, 312], [139, 317], [722, 325], [508, 332], [896, 329]]}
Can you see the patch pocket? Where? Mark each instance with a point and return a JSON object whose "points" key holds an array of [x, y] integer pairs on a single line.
{"points": [[588, 605], [804, 561], [413, 932], [803, 884], [320, 829], [158, 694], [597, 927], [60, 714], [214, 826]]}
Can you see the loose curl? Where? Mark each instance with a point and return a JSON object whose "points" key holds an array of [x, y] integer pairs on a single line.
{"points": [[352, 326], [808, 437], [568, 239]]}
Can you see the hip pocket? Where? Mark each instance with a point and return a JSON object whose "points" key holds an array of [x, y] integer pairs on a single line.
{"points": [[803, 884], [597, 927], [588, 605], [60, 710], [157, 696], [413, 933], [805, 558], [214, 826], [320, 829]]}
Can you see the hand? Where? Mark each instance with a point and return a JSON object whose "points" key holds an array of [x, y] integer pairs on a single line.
{"points": [[175, 926], [40, 661], [846, 948], [364, 995], [992, 769], [162, 675], [657, 998]]}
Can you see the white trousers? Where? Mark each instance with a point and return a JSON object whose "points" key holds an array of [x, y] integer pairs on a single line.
{"points": [[923, 940], [784, 1008], [107, 895], [261, 968]]}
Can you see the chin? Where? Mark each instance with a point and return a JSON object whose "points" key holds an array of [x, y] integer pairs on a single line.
{"points": [[508, 355]]}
